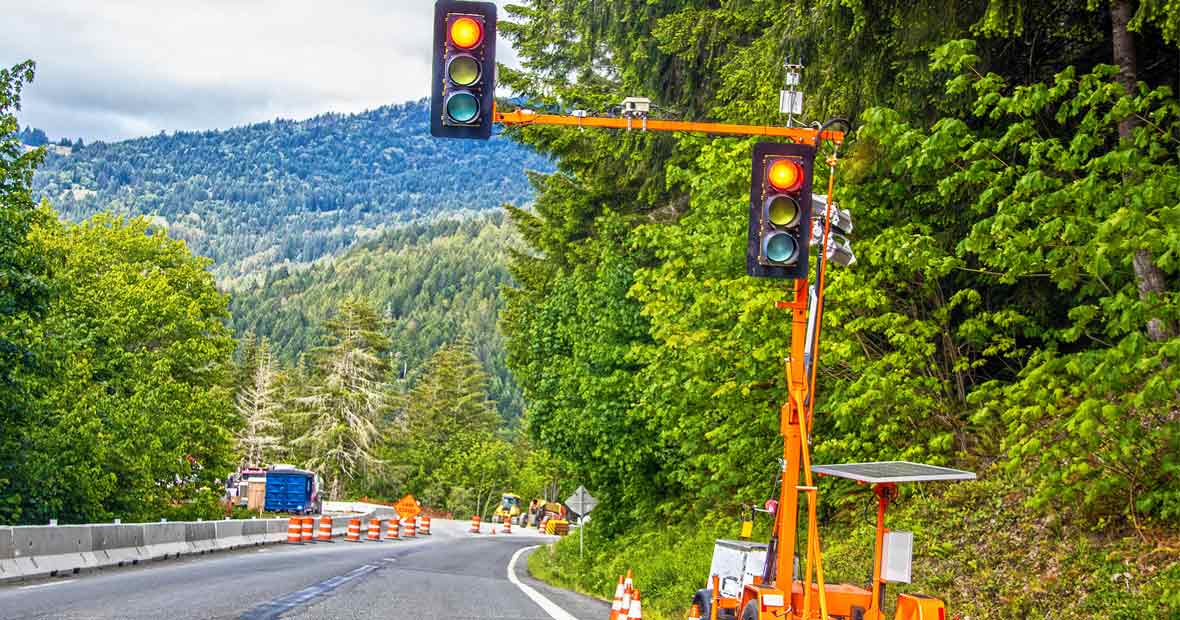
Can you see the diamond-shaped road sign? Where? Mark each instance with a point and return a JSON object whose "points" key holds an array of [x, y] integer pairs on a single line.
{"points": [[581, 502]]}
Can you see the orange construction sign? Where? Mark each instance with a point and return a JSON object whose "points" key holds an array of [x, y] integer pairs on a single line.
{"points": [[407, 507]]}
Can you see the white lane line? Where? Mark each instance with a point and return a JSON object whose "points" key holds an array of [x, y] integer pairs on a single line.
{"points": [[549, 606], [46, 585]]}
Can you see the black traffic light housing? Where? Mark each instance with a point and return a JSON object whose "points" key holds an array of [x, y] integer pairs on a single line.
{"points": [[780, 210], [464, 82]]}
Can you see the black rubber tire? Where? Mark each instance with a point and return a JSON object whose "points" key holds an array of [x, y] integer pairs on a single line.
{"points": [[751, 611], [703, 599]]}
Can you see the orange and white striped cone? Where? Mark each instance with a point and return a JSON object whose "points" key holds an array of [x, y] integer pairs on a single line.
{"points": [[617, 603], [694, 613], [628, 584], [411, 531], [294, 531], [374, 529], [425, 529], [507, 525], [636, 610], [625, 604], [308, 529], [391, 532], [354, 531], [474, 524], [325, 529]]}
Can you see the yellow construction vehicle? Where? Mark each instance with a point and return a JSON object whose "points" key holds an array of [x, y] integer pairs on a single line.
{"points": [[509, 508]]}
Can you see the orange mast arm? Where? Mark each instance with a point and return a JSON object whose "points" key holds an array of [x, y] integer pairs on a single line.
{"points": [[528, 117]]}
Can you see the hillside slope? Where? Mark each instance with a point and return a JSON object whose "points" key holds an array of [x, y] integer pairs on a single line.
{"points": [[434, 282], [254, 197]]}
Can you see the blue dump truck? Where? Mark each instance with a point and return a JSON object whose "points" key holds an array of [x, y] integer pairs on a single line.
{"points": [[293, 490]]}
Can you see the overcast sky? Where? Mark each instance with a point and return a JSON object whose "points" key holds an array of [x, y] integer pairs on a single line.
{"points": [[113, 69]]}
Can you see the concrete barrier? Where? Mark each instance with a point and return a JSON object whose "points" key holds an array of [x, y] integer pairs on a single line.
{"points": [[42, 551], [117, 545], [46, 551]]}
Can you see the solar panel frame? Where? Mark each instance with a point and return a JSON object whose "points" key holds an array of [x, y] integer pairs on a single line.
{"points": [[880, 472]]}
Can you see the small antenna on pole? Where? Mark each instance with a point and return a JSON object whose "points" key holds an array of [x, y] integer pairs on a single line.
{"points": [[790, 99]]}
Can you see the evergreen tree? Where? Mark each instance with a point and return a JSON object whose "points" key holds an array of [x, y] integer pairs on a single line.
{"points": [[347, 398], [258, 403]]}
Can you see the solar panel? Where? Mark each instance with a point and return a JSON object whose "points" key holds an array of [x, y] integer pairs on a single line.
{"points": [[892, 471]]}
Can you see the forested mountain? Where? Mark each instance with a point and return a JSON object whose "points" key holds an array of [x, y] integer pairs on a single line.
{"points": [[434, 282], [257, 196]]}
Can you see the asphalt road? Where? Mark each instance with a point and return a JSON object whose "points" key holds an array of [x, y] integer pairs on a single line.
{"points": [[451, 574]]}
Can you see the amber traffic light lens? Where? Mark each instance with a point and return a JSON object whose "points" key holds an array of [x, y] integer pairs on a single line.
{"points": [[466, 33], [463, 70], [785, 175], [782, 211]]}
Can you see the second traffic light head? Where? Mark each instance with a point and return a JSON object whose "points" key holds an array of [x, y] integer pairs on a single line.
{"points": [[780, 210], [464, 85]]}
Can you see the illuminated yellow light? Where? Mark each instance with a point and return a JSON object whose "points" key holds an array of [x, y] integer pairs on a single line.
{"points": [[466, 33], [785, 175]]}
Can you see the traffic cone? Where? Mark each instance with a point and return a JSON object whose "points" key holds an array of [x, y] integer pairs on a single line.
{"points": [[617, 604], [354, 531], [325, 529], [695, 613], [627, 583], [636, 612], [625, 604], [294, 531]]}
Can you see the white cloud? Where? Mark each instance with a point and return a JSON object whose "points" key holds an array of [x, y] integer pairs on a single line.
{"points": [[110, 69]]}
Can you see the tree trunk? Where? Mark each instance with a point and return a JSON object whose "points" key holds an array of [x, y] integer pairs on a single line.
{"points": [[1148, 275]]}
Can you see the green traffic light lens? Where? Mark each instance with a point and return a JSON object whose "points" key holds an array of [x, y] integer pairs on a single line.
{"points": [[780, 248], [462, 107], [463, 70], [782, 211]]}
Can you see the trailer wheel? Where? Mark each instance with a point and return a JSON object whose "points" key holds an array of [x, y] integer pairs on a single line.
{"points": [[751, 611]]}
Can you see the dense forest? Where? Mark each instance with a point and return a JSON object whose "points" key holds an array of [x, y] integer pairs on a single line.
{"points": [[1015, 188], [433, 282], [267, 194]]}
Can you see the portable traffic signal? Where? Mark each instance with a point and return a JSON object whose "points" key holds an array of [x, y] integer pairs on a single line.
{"points": [[780, 210], [464, 69]]}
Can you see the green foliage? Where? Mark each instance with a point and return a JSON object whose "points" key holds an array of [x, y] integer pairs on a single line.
{"points": [[260, 196], [434, 283], [135, 416]]}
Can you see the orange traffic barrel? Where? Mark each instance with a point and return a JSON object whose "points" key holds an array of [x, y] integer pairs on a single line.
{"points": [[410, 530], [374, 529], [694, 613], [294, 531], [507, 525], [308, 529], [425, 529], [474, 525], [354, 530], [391, 530], [325, 529]]}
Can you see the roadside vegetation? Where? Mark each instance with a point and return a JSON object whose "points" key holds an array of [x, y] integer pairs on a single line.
{"points": [[1015, 187]]}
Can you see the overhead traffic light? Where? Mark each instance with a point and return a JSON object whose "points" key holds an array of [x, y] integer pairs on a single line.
{"points": [[780, 210], [464, 83]]}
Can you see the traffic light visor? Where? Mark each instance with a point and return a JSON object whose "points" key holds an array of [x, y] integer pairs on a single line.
{"points": [[462, 107], [466, 33], [463, 70], [782, 211], [785, 175], [779, 247]]}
